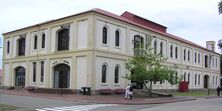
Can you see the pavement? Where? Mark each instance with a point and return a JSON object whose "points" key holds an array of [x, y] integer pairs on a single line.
{"points": [[99, 99]]}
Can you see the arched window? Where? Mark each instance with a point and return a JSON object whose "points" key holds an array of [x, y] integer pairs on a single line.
{"points": [[63, 39], [161, 48], [117, 38], [104, 38], [8, 47], [198, 57], [155, 46], [34, 72], [43, 40], [195, 57], [104, 73], [116, 76], [184, 54], [21, 46], [184, 76], [188, 55], [138, 44], [171, 51], [35, 42], [176, 52], [199, 79], [195, 79]]}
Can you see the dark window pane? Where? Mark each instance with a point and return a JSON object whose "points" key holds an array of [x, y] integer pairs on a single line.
{"points": [[161, 48], [117, 38], [63, 39], [35, 42], [171, 51], [34, 72], [21, 47], [155, 47], [104, 39], [116, 74], [8, 46], [43, 40], [104, 72], [42, 71], [188, 55], [176, 52], [184, 54]]}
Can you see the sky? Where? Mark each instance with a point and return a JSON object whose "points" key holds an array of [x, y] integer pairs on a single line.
{"points": [[195, 20]]}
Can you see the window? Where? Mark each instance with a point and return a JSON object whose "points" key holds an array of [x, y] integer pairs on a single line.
{"points": [[199, 58], [117, 38], [206, 61], [199, 79], [21, 46], [213, 80], [35, 42], [155, 46], [184, 54], [104, 39], [34, 72], [161, 48], [116, 76], [188, 55], [176, 52], [216, 62], [104, 73], [184, 76], [195, 57], [43, 40], [216, 80], [63, 39], [195, 79], [213, 62], [8, 47], [188, 78], [42, 71], [171, 51], [138, 44]]}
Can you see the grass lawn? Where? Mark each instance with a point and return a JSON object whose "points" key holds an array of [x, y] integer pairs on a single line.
{"points": [[7, 107], [195, 94]]}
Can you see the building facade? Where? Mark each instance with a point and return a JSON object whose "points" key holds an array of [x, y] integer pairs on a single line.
{"points": [[89, 49]]}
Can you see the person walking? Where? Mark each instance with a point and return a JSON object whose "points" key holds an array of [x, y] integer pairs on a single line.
{"points": [[218, 91], [127, 91]]}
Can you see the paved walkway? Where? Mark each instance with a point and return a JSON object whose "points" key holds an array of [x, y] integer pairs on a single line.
{"points": [[99, 99]]}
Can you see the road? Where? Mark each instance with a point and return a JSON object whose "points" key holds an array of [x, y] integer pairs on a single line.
{"points": [[200, 104], [43, 104]]}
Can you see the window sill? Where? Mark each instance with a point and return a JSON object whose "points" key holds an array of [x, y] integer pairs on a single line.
{"points": [[105, 45], [117, 47], [104, 84], [116, 84]]}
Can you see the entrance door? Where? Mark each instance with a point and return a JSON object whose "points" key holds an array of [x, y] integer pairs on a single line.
{"points": [[20, 76], [206, 78], [61, 76]]}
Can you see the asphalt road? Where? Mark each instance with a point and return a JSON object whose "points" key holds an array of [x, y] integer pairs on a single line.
{"points": [[200, 104]]}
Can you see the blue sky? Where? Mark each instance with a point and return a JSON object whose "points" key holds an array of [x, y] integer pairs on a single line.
{"points": [[194, 20]]}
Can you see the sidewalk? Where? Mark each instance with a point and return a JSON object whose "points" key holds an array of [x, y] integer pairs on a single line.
{"points": [[100, 99]]}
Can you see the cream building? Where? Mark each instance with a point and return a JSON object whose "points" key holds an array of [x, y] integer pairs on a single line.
{"points": [[89, 49]]}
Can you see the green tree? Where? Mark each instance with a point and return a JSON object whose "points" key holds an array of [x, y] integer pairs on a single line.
{"points": [[220, 7], [147, 67]]}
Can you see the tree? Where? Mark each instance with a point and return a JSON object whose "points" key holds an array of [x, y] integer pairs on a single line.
{"points": [[147, 67], [220, 7]]}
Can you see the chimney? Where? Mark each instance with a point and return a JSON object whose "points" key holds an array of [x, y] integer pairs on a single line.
{"points": [[210, 45]]}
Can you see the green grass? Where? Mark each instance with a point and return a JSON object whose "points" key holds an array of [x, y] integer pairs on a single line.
{"points": [[195, 94], [7, 107]]}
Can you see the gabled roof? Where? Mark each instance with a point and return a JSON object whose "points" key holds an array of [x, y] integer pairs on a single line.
{"points": [[123, 19]]}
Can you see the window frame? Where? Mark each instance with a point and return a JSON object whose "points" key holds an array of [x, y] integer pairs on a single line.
{"points": [[105, 35], [104, 73], [117, 38], [117, 74], [43, 40]]}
